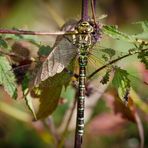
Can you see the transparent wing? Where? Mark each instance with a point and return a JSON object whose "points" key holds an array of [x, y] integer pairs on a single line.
{"points": [[95, 60], [60, 57]]}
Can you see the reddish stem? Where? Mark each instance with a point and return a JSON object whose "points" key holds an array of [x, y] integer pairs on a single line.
{"points": [[24, 32], [84, 12]]}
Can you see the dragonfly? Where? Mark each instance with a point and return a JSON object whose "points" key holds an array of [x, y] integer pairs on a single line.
{"points": [[78, 41], [82, 46]]}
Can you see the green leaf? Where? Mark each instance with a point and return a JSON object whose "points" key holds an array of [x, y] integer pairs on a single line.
{"points": [[25, 81], [47, 94], [113, 32], [143, 56], [51, 77], [3, 43], [30, 38], [7, 78], [121, 82], [144, 34], [29, 103], [50, 91], [44, 50], [27, 95], [109, 51], [105, 78], [144, 25], [49, 101]]}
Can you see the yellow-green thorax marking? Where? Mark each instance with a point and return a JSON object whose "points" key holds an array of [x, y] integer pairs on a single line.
{"points": [[83, 41]]}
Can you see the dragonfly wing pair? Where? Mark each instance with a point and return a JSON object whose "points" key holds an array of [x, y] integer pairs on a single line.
{"points": [[60, 57]]}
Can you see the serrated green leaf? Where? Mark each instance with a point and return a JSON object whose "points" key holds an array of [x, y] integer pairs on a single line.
{"points": [[144, 25], [47, 94], [27, 95], [109, 51], [7, 78], [105, 57], [3, 43], [113, 32], [105, 78], [49, 101], [143, 56], [50, 91], [121, 82], [30, 38], [144, 34]]}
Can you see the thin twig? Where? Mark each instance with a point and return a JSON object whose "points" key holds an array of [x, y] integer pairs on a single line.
{"points": [[50, 127], [95, 4], [114, 61], [84, 12], [140, 129], [24, 32], [67, 124], [93, 10]]}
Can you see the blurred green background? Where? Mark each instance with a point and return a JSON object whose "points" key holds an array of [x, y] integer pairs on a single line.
{"points": [[16, 128]]}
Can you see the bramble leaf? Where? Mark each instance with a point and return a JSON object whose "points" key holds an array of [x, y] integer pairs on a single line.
{"points": [[113, 32], [106, 77], [144, 33], [30, 38], [109, 51], [50, 94], [28, 97], [3, 43], [47, 94], [121, 83], [143, 56], [7, 78], [144, 25]]}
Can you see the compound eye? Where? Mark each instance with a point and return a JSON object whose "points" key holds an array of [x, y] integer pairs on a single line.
{"points": [[85, 24]]}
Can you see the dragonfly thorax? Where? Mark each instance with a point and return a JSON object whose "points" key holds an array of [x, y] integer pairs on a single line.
{"points": [[84, 27], [83, 39]]}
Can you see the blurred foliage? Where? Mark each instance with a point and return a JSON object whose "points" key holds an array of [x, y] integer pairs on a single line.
{"points": [[17, 134], [37, 15]]}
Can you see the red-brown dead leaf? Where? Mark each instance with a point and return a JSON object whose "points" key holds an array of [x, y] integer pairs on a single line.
{"points": [[106, 124], [118, 106]]}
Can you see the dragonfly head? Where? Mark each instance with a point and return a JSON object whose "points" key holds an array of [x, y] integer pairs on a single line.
{"points": [[84, 27]]}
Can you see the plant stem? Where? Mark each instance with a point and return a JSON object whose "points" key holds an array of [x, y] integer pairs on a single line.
{"points": [[24, 32], [114, 61], [50, 128], [84, 12], [95, 4], [60, 145], [93, 9]]}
